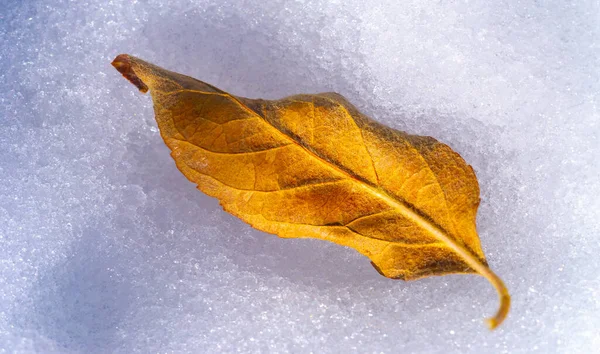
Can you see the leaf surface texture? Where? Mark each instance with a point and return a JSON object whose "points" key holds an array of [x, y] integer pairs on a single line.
{"points": [[314, 166]]}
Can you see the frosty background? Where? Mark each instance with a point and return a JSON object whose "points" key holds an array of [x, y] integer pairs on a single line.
{"points": [[105, 246]]}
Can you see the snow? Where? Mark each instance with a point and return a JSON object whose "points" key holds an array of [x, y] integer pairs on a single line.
{"points": [[105, 246]]}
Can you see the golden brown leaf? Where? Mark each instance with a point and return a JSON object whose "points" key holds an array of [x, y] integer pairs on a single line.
{"points": [[314, 166]]}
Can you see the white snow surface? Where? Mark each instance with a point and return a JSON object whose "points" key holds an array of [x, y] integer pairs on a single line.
{"points": [[106, 247]]}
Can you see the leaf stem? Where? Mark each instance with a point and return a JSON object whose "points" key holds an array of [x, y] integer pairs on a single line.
{"points": [[484, 271], [459, 249]]}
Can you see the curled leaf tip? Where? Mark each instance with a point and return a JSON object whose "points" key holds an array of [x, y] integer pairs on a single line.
{"points": [[123, 64]]}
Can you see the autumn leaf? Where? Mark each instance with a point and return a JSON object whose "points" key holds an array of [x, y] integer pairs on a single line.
{"points": [[314, 166]]}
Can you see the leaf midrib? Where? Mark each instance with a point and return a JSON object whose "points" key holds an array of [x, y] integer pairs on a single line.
{"points": [[404, 207]]}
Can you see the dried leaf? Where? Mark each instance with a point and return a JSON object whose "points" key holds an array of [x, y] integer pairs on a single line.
{"points": [[314, 166]]}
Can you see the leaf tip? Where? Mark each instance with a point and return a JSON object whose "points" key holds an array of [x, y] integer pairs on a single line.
{"points": [[123, 65]]}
